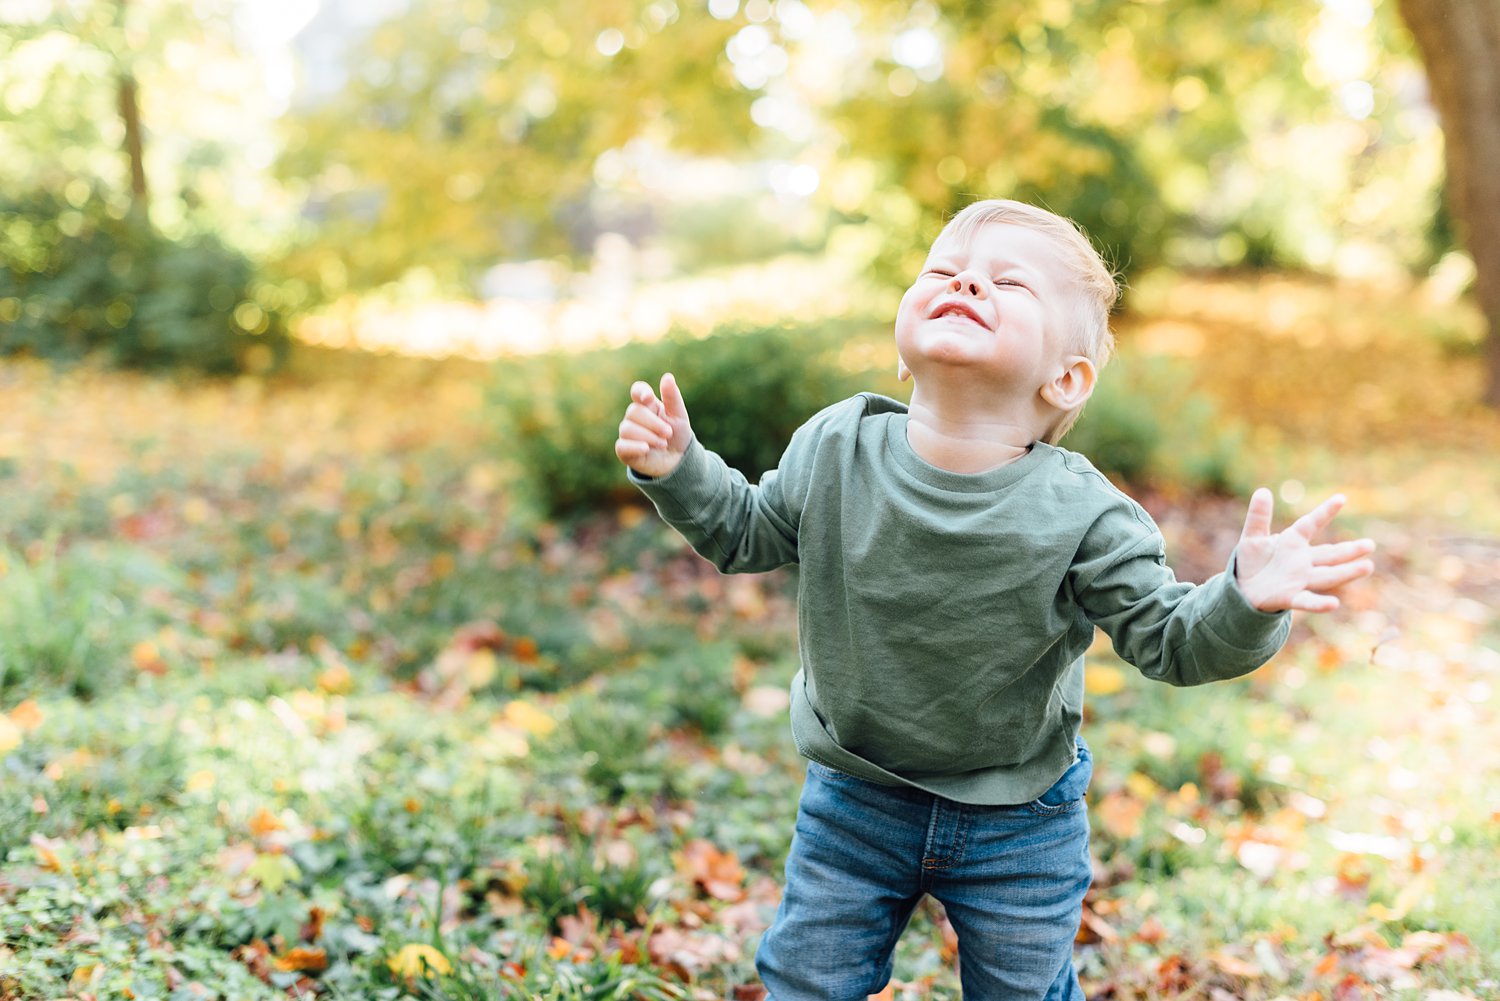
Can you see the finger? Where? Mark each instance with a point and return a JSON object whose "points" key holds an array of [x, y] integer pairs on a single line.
{"points": [[642, 393], [1258, 517], [1328, 578], [650, 419], [630, 431], [627, 449], [671, 395], [1307, 601], [1314, 521], [1341, 552]]}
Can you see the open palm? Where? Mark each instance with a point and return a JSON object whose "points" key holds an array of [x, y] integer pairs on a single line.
{"points": [[1287, 569]]}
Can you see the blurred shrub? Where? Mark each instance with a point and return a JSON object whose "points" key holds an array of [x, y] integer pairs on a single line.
{"points": [[74, 281], [1145, 425], [747, 389]]}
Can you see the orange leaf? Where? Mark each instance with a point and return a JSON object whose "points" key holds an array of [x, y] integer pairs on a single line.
{"points": [[303, 960], [27, 716], [1121, 814], [264, 822], [1151, 931], [719, 874], [147, 658]]}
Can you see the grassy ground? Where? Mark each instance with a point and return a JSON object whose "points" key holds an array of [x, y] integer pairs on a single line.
{"points": [[296, 698]]}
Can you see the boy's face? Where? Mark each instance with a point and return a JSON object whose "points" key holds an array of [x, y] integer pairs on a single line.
{"points": [[995, 305]]}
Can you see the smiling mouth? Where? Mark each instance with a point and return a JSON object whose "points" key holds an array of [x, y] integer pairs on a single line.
{"points": [[957, 309]]}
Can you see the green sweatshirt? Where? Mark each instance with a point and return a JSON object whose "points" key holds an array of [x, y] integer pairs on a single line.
{"points": [[943, 617]]}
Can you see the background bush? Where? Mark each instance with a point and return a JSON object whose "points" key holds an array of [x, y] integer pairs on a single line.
{"points": [[747, 388], [76, 281], [1145, 424]]}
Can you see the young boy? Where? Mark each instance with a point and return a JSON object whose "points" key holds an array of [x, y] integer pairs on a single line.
{"points": [[954, 564]]}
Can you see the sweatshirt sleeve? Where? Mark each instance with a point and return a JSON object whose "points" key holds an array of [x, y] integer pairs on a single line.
{"points": [[737, 527], [1172, 631]]}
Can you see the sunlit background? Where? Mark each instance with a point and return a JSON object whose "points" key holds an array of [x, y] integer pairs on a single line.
{"points": [[482, 178]]}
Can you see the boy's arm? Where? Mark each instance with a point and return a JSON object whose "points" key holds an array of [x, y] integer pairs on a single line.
{"points": [[1191, 635], [737, 527]]}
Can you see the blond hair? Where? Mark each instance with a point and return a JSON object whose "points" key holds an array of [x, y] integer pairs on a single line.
{"points": [[1091, 278]]}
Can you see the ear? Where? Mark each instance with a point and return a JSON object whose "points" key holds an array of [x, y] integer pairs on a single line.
{"points": [[1071, 387], [902, 372]]}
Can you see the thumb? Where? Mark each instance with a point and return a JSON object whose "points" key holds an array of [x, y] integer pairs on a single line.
{"points": [[1258, 518], [671, 398]]}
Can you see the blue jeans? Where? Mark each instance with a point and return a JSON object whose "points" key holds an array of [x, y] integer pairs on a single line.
{"points": [[1011, 878]]}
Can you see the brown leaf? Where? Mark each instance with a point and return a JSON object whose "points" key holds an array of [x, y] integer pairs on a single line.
{"points": [[1151, 931], [717, 873], [313, 929]]}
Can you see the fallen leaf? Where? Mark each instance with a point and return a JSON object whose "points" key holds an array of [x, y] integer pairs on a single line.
{"points": [[524, 716], [1103, 679], [264, 822], [1121, 814], [10, 735], [1233, 965], [418, 960], [717, 873], [302, 959], [27, 715]]}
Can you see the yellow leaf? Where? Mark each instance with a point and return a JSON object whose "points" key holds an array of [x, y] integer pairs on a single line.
{"points": [[480, 668], [273, 871], [85, 977], [10, 735], [201, 780], [1142, 786], [527, 717], [417, 960], [1404, 901], [1103, 679]]}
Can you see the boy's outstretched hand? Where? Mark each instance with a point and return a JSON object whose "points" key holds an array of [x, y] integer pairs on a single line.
{"points": [[1287, 570], [655, 433]]}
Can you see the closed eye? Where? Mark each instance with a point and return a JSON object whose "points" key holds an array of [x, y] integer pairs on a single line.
{"points": [[1009, 281]]}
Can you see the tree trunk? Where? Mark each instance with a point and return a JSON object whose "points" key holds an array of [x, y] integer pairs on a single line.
{"points": [[130, 114], [129, 106], [1460, 45]]}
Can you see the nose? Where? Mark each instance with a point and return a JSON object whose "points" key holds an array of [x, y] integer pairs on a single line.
{"points": [[968, 281]]}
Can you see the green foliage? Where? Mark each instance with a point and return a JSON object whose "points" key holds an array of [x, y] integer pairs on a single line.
{"points": [[747, 389], [76, 281], [1145, 424], [558, 882], [615, 743], [533, 975], [690, 687], [67, 619]]}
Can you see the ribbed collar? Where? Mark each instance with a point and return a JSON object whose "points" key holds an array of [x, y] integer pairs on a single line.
{"points": [[943, 479]]}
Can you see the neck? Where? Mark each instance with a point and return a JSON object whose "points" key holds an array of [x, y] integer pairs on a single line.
{"points": [[962, 440]]}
